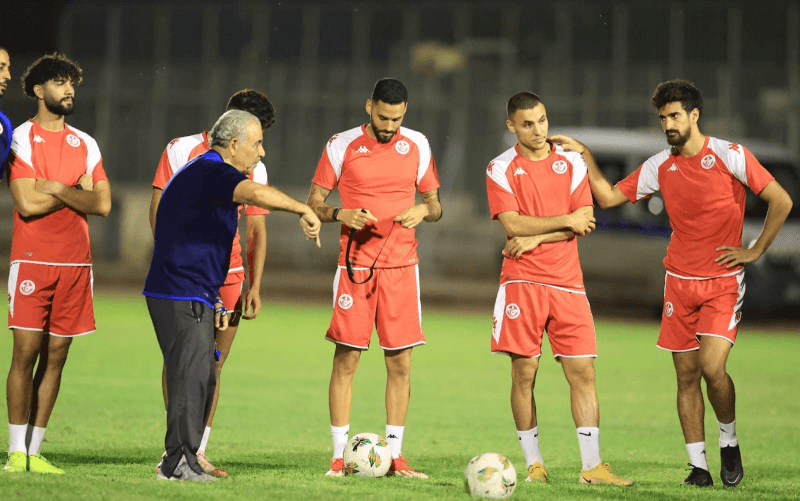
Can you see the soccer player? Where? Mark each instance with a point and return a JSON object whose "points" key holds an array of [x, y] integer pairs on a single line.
{"points": [[702, 181], [540, 195], [378, 167], [176, 154], [196, 223], [5, 124], [56, 179]]}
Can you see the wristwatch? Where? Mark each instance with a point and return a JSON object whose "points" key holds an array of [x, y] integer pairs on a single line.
{"points": [[335, 214]]}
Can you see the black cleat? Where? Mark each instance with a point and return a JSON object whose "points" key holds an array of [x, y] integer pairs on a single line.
{"points": [[698, 477], [731, 471]]}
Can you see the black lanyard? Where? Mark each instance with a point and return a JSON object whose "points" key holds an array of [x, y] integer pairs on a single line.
{"points": [[349, 264]]}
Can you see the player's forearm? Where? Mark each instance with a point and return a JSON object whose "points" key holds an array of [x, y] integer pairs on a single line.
{"points": [[433, 205], [555, 236], [37, 204], [256, 252], [606, 194], [316, 200], [776, 215], [96, 202], [528, 226]]}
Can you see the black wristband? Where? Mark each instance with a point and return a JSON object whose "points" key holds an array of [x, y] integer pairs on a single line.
{"points": [[335, 214]]}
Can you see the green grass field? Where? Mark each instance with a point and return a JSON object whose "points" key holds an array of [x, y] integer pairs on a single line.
{"points": [[271, 430]]}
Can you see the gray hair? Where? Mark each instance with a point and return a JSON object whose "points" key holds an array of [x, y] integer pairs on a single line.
{"points": [[232, 124]]}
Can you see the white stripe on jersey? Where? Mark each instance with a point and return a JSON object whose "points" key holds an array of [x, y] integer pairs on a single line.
{"points": [[337, 146], [424, 150], [21, 143], [579, 168], [260, 174], [499, 166], [732, 158], [178, 151], [648, 177], [93, 156]]}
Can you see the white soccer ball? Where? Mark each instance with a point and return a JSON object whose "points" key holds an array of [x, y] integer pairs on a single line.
{"points": [[367, 455], [490, 475]]}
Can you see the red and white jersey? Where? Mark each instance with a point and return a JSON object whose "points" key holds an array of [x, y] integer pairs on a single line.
{"points": [[705, 198], [383, 178], [61, 237], [554, 186], [181, 150]]}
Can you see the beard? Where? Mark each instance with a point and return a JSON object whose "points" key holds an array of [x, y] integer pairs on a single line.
{"points": [[377, 132], [679, 139], [61, 108]]}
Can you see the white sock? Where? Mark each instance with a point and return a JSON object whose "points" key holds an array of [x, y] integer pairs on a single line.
{"points": [[589, 442], [16, 437], [529, 441], [727, 435], [394, 435], [36, 440], [340, 435], [697, 454], [204, 440]]}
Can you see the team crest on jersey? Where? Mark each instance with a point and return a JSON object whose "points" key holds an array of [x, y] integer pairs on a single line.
{"points": [[73, 140], [560, 167], [345, 301], [708, 161], [512, 311], [27, 287], [402, 147], [668, 309]]}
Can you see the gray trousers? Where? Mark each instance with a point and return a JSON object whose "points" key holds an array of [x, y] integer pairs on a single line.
{"points": [[185, 331]]}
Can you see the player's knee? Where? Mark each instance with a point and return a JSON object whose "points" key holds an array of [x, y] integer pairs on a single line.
{"points": [[345, 367], [689, 378], [24, 357], [714, 373], [523, 376], [398, 371]]}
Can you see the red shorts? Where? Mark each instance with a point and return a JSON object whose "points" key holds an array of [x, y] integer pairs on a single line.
{"points": [[389, 301], [694, 308], [53, 299], [231, 295], [524, 310]]}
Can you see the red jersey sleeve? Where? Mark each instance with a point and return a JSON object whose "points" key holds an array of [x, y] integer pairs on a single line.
{"points": [[429, 180], [163, 171], [325, 174], [580, 193], [757, 176], [501, 196], [99, 173]]}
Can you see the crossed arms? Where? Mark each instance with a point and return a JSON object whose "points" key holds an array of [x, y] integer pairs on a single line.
{"points": [[38, 197]]}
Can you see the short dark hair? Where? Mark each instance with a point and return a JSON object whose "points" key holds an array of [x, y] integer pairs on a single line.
{"points": [[50, 67], [390, 91], [522, 101], [682, 91], [256, 103]]}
